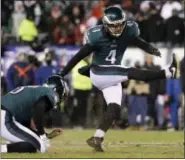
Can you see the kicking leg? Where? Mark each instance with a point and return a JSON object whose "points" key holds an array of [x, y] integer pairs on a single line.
{"points": [[104, 77], [148, 75], [113, 111]]}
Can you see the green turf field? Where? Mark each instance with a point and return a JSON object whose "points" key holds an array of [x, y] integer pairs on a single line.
{"points": [[118, 144]]}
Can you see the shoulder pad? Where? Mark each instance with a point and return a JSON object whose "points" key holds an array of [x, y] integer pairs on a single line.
{"points": [[93, 34], [95, 28], [134, 28], [51, 96], [132, 24]]}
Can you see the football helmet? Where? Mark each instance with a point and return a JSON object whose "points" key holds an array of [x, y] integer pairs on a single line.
{"points": [[114, 20], [58, 84]]}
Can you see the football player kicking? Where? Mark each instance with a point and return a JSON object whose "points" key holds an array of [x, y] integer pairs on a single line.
{"points": [[108, 43], [22, 116]]}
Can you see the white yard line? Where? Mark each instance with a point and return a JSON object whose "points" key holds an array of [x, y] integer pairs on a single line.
{"points": [[120, 144]]}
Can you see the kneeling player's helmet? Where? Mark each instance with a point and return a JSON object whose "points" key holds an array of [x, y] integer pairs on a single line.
{"points": [[59, 86], [114, 20]]}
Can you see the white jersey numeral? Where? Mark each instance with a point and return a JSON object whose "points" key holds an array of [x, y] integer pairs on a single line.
{"points": [[17, 90], [111, 57]]}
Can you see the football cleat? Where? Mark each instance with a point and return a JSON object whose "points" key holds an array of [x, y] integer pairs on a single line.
{"points": [[96, 143]]}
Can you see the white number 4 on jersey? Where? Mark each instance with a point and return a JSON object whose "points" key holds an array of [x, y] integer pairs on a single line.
{"points": [[111, 57]]}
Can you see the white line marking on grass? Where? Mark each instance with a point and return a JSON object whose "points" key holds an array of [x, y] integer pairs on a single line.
{"points": [[120, 144]]}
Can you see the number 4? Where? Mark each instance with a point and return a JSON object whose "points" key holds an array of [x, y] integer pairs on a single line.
{"points": [[111, 57]]}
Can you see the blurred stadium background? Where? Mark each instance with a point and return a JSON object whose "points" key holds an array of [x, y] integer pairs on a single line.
{"points": [[39, 37]]}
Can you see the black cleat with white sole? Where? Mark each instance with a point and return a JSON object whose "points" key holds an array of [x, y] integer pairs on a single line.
{"points": [[173, 67], [96, 143]]}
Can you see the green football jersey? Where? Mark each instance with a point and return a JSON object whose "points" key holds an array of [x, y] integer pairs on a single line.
{"points": [[109, 50], [20, 101]]}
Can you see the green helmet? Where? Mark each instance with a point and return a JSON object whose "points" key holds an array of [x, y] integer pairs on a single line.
{"points": [[114, 20], [58, 85]]}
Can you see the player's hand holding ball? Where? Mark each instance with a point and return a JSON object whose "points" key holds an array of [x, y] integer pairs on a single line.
{"points": [[54, 133]]}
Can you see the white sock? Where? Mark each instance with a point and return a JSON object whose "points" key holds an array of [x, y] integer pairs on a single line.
{"points": [[168, 73], [99, 133], [3, 148]]}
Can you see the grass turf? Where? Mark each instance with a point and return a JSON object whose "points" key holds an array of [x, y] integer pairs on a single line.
{"points": [[118, 144]]}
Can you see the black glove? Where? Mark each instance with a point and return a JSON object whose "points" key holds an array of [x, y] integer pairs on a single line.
{"points": [[156, 52], [85, 70]]}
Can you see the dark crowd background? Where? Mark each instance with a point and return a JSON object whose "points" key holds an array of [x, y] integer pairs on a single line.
{"points": [[41, 24]]}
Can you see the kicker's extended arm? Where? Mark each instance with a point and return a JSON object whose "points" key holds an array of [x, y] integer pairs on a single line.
{"points": [[147, 47], [84, 52]]}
